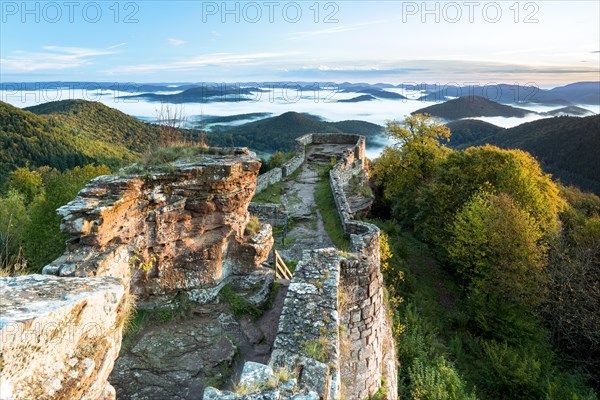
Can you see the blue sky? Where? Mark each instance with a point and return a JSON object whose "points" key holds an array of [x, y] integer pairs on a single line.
{"points": [[544, 42]]}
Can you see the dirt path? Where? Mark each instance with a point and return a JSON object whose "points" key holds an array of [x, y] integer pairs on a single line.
{"points": [[306, 227]]}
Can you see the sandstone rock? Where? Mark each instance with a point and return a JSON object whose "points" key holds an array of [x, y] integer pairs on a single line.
{"points": [[166, 232], [59, 337]]}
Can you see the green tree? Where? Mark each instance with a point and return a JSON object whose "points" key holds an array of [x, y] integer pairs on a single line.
{"points": [[27, 182], [44, 242], [403, 169], [13, 220], [499, 252]]}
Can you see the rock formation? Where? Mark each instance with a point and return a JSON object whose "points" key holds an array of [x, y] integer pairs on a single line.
{"points": [[59, 337], [165, 232]]}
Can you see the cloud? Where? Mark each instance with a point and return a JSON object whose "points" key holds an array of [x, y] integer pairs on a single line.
{"points": [[116, 45], [392, 70], [207, 60], [594, 52], [175, 42], [52, 58], [334, 30]]}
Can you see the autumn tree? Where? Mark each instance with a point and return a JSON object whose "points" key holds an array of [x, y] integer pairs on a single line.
{"points": [[402, 169]]}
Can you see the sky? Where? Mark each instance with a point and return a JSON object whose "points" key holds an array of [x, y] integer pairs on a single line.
{"points": [[547, 43]]}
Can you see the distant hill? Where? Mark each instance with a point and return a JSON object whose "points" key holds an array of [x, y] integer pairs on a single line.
{"points": [[567, 147], [279, 133], [68, 133], [574, 93], [579, 92], [573, 111], [358, 99], [205, 94], [375, 92], [470, 107]]}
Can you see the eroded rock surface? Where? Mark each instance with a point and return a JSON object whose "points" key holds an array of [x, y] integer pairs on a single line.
{"points": [[59, 337], [165, 232]]}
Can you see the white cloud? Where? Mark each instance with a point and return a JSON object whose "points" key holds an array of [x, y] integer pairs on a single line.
{"points": [[51, 58], [175, 42], [116, 45], [207, 60], [336, 29]]}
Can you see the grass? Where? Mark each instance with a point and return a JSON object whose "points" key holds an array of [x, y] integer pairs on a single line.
{"points": [[238, 305], [329, 214], [162, 158], [138, 320], [271, 194], [317, 349], [292, 264], [253, 226]]}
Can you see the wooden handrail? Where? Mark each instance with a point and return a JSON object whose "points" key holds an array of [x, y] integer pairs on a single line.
{"points": [[281, 270]]}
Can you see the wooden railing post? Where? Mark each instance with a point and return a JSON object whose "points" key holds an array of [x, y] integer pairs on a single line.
{"points": [[281, 270]]}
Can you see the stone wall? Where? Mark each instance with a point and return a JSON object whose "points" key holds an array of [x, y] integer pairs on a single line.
{"points": [[307, 345], [268, 178], [59, 337], [337, 300], [165, 232], [371, 359], [271, 213]]}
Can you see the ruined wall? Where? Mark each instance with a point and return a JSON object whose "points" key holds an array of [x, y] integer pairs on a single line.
{"points": [[371, 359], [59, 337], [271, 213], [164, 232], [268, 178], [308, 338], [337, 300]]}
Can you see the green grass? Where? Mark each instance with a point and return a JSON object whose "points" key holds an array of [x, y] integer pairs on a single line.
{"points": [[253, 226], [239, 306], [329, 213], [161, 158], [144, 318], [271, 194]]}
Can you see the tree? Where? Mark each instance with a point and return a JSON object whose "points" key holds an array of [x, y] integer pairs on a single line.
{"points": [[403, 169], [27, 182], [13, 220], [462, 174], [43, 240], [500, 254]]}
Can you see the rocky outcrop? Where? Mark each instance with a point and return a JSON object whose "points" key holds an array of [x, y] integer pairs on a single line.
{"points": [[164, 232], [59, 337]]}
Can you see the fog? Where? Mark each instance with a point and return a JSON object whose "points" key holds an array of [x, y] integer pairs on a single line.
{"points": [[277, 101]]}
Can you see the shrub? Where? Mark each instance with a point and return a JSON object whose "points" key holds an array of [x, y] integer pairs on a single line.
{"points": [[437, 381]]}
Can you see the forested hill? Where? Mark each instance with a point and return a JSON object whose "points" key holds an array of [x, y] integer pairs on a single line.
{"points": [[279, 133], [470, 107], [567, 147], [65, 134], [101, 121]]}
